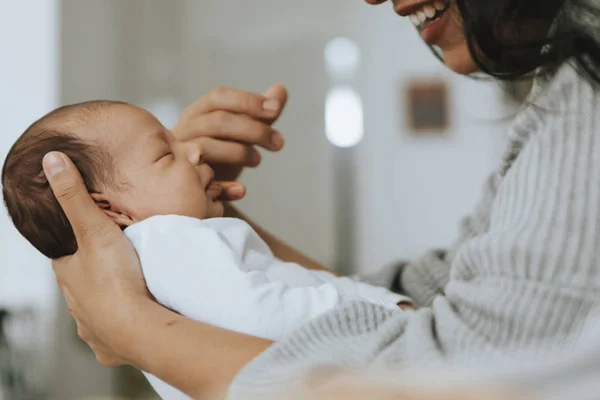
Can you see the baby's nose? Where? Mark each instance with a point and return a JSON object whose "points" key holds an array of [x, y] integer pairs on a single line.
{"points": [[194, 153]]}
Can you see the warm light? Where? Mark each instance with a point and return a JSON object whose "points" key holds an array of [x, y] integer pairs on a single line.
{"points": [[344, 117], [342, 57]]}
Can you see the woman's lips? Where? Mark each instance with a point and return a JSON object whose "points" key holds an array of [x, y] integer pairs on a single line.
{"points": [[428, 16], [433, 32]]}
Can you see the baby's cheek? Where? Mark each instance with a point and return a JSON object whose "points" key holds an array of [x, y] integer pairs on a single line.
{"points": [[175, 193], [193, 203], [163, 200]]}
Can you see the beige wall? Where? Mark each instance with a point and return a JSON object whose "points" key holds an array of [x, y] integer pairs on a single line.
{"points": [[151, 51]]}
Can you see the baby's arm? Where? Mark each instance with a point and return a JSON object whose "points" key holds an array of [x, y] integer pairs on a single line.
{"points": [[190, 269], [365, 291]]}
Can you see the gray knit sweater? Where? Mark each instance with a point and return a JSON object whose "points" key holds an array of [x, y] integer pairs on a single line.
{"points": [[523, 278]]}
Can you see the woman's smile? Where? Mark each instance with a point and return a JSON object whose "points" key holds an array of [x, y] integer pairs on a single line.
{"points": [[430, 17], [439, 24]]}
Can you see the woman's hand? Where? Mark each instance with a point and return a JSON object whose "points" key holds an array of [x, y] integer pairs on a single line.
{"points": [[116, 315], [229, 124], [102, 283]]}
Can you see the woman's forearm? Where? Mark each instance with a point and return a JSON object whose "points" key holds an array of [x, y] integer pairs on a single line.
{"points": [[281, 250], [200, 360]]}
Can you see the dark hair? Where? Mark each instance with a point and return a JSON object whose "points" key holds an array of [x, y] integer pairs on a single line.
{"points": [[31, 204], [509, 39]]}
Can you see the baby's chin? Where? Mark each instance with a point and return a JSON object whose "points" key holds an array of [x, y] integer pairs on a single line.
{"points": [[217, 209], [212, 208]]}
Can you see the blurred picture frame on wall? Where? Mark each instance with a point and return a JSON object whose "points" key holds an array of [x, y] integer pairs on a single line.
{"points": [[427, 107]]}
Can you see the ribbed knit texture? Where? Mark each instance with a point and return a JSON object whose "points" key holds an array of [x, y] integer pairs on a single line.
{"points": [[523, 278]]}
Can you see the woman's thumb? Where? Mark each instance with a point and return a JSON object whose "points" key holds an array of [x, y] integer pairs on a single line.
{"points": [[71, 193]]}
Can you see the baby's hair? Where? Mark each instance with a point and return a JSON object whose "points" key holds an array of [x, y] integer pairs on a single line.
{"points": [[31, 204]]}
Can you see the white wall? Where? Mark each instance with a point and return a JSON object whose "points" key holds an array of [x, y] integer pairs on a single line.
{"points": [[250, 45], [413, 191], [29, 45]]}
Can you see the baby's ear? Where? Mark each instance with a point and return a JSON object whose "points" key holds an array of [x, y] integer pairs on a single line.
{"points": [[120, 219], [101, 200]]}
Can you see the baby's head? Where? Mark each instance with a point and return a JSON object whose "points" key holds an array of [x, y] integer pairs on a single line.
{"points": [[131, 164]]}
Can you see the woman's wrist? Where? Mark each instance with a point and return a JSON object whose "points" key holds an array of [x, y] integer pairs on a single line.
{"points": [[198, 359], [129, 340]]}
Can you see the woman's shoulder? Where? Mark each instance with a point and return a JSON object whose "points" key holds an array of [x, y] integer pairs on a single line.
{"points": [[560, 110], [561, 89], [565, 107]]}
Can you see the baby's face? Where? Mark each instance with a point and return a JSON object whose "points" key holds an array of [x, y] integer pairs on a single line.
{"points": [[155, 174]]}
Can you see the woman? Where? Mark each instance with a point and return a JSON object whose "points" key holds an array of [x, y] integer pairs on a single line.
{"points": [[525, 274]]}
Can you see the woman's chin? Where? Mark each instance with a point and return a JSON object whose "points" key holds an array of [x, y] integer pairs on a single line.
{"points": [[460, 61]]}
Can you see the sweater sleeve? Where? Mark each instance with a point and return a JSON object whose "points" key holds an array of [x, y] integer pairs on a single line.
{"points": [[524, 285]]}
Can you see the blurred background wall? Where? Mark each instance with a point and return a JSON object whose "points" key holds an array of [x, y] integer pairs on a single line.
{"points": [[406, 192], [29, 87]]}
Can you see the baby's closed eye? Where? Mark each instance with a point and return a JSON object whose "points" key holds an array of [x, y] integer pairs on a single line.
{"points": [[164, 157]]}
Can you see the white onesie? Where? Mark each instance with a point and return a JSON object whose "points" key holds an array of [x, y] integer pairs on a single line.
{"points": [[219, 271]]}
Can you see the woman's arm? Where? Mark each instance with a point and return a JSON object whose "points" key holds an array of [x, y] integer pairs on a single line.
{"points": [[281, 250], [199, 359]]}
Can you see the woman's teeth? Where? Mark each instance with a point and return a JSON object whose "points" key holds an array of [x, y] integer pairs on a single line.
{"points": [[429, 13]]}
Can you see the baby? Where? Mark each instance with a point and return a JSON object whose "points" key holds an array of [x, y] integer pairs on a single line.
{"points": [[158, 189]]}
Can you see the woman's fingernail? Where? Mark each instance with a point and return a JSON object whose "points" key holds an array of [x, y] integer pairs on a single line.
{"points": [[271, 105], [53, 163], [277, 140]]}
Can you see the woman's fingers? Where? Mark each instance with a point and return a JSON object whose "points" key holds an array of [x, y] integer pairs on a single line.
{"points": [[234, 115], [215, 151], [87, 220], [277, 92], [239, 102], [233, 127], [228, 123]]}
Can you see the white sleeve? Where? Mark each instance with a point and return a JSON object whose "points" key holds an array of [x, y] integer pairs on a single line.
{"points": [[353, 288], [190, 269]]}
